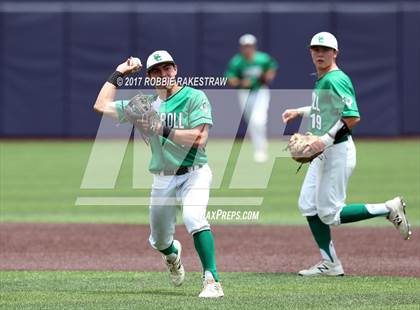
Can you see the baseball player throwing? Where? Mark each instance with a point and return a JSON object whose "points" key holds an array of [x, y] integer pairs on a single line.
{"points": [[251, 71], [178, 164], [323, 193]]}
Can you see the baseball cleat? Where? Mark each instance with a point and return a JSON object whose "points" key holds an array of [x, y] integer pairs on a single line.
{"points": [[324, 268], [211, 288], [175, 267], [397, 216]]}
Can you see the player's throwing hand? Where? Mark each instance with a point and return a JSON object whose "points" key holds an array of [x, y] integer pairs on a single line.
{"points": [[131, 65]]}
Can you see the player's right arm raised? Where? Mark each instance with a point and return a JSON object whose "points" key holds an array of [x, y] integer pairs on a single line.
{"points": [[105, 102]]}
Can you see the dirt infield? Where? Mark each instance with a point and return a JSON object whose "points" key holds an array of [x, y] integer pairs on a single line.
{"points": [[363, 251]]}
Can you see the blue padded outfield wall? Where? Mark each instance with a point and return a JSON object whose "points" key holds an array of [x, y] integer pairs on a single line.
{"points": [[55, 56]]}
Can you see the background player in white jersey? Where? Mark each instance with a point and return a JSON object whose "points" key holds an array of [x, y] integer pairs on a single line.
{"points": [[322, 198], [251, 71], [178, 164]]}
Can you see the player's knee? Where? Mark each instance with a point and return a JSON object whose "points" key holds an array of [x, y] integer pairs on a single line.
{"points": [[328, 217], [301, 203], [305, 207], [193, 225], [160, 243]]}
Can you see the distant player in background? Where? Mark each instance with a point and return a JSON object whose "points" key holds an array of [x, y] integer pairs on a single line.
{"points": [[251, 71], [332, 115]]}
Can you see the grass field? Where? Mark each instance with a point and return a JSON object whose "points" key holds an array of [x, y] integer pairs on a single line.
{"points": [[40, 182], [145, 290]]}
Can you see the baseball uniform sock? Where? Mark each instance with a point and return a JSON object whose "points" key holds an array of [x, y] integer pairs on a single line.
{"points": [[171, 250], [377, 209], [331, 256], [204, 244], [359, 212], [322, 236]]}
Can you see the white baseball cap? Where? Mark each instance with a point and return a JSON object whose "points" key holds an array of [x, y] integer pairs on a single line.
{"points": [[158, 57], [247, 39], [324, 39]]}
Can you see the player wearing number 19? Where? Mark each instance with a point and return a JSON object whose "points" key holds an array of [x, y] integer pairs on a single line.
{"points": [[332, 115]]}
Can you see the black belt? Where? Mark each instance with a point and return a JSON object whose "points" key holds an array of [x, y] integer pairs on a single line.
{"points": [[342, 139], [180, 171]]}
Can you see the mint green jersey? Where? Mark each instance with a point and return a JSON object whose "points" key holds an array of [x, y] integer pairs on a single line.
{"points": [[240, 68], [333, 98], [186, 109]]}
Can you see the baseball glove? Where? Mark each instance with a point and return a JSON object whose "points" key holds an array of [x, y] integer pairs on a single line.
{"points": [[298, 143], [139, 112]]}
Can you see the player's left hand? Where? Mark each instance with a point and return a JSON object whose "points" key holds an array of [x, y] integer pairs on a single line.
{"points": [[316, 146], [148, 126], [267, 77]]}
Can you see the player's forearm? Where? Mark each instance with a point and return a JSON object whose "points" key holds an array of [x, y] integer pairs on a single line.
{"points": [[233, 82], [304, 111], [338, 130], [104, 101], [196, 137], [268, 76]]}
